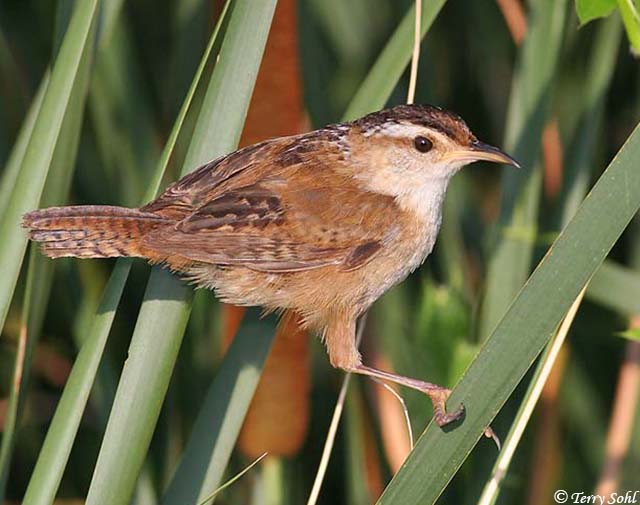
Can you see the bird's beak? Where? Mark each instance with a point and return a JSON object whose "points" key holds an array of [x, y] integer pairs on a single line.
{"points": [[479, 151]]}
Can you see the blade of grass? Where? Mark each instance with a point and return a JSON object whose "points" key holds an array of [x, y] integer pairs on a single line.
{"points": [[122, 116], [216, 428], [12, 167], [173, 137], [594, 89], [578, 170], [63, 428], [109, 15], [39, 152], [189, 28], [240, 57], [165, 309], [232, 480], [510, 261], [543, 370], [375, 90], [93, 281], [40, 270], [525, 329], [57, 445]]}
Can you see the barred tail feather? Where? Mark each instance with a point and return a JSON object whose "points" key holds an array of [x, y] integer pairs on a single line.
{"points": [[90, 231]]}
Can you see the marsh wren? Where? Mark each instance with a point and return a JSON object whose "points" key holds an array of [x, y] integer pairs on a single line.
{"points": [[319, 224]]}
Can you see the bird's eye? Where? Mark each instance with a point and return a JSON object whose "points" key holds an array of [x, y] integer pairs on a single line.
{"points": [[423, 144]]}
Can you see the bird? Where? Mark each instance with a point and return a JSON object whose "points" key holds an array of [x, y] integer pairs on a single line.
{"points": [[319, 224]]}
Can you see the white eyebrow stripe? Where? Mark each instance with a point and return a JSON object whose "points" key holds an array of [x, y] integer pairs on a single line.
{"points": [[403, 130]]}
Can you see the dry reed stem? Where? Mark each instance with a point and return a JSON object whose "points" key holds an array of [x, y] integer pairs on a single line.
{"points": [[625, 404], [492, 487], [547, 451], [415, 58]]}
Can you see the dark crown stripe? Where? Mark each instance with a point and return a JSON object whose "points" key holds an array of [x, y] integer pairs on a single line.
{"points": [[444, 121]]}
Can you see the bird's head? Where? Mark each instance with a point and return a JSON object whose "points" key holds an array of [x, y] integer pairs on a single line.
{"points": [[407, 146]]}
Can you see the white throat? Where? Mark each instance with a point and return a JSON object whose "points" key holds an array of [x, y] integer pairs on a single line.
{"points": [[425, 200]]}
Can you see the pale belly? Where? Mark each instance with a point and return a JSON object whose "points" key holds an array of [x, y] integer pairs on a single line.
{"points": [[317, 293]]}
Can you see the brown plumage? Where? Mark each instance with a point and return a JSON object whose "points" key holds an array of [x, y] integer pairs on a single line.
{"points": [[320, 224], [90, 231]]}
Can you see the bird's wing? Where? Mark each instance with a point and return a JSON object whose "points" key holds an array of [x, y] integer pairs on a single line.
{"points": [[186, 195], [276, 212]]}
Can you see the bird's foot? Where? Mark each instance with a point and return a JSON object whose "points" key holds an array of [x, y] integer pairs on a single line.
{"points": [[439, 396]]}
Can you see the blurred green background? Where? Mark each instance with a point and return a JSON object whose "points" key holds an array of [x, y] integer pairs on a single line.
{"points": [[564, 103]]}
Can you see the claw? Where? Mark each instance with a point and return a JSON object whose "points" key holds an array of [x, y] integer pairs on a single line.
{"points": [[489, 433], [439, 396]]}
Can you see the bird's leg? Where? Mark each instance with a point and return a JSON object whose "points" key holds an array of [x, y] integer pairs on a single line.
{"points": [[437, 394], [339, 337]]}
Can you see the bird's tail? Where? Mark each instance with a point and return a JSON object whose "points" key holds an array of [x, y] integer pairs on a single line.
{"points": [[90, 231]]}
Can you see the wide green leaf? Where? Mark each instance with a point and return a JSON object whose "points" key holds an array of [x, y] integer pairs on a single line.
{"points": [[14, 162], [589, 10], [39, 152], [376, 88], [219, 421], [40, 271], [525, 329]]}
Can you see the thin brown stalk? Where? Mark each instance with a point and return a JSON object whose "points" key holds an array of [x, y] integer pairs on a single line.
{"points": [[625, 404], [547, 451]]}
